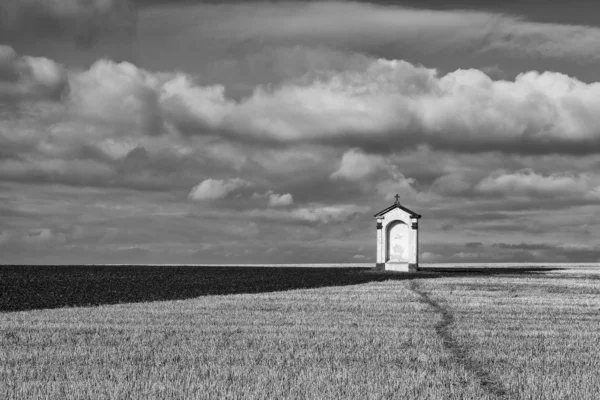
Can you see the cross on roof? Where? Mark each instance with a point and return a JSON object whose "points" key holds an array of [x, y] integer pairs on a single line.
{"points": [[397, 196]]}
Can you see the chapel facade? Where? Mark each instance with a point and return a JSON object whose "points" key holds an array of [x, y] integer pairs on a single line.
{"points": [[397, 238]]}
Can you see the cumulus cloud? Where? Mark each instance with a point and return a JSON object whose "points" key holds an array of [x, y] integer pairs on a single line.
{"points": [[391, 105], [279, 200], [356, 165], [377, 174], [117, 93], [24, 77], [275, 199], [397, 182], [381, 106], [213, 189]]}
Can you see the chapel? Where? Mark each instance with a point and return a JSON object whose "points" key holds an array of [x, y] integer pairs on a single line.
{"points": [[397, 238]]}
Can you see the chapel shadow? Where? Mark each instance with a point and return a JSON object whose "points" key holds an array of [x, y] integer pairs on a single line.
{"points": [[42, 287]]}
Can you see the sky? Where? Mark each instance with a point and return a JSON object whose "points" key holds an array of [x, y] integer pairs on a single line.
{"points": [[270, 132]]}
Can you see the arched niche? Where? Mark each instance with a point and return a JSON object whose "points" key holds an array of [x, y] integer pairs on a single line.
{"points": [[397, 242]]}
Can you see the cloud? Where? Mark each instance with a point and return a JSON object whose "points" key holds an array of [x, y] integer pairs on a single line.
{"points": [[573, 252], [275, 199], [526, 182], [74, 172], [473, 245], [391, 105], [466, 256], [325, 214], [524, 246], [372, 115], [454, 184], [82, 21], [375, 173], [42, 236], [483, 159], [428, 256], [397, 184], [372, 28], [279, 200], [213, 189], [314, 213], [117, 94], [356, 165], [24, 77]]}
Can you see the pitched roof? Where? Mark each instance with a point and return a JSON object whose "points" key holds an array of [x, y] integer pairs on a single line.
{"points": [[397, 205]]}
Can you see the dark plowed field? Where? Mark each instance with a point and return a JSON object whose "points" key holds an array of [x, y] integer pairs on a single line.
{"points": [[36, 287]]}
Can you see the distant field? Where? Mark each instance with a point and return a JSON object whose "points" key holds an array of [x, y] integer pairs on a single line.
{"points": [[438, 336]]}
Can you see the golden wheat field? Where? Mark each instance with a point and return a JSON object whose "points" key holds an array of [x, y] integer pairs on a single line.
{"points": [[511, 336]]}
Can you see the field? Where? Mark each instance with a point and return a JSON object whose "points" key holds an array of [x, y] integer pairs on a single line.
{"points": [[297, 333]]}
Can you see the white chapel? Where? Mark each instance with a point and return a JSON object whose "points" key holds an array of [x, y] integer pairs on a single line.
{"points": [[397, 238]]}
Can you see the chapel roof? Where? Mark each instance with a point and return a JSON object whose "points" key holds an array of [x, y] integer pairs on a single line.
{"points": [[397, 205]]}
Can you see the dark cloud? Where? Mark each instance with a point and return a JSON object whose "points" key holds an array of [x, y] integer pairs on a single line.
{"points": [[83, 22]]}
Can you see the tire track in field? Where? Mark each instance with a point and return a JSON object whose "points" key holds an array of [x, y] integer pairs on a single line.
{"points": [[487, 381]]}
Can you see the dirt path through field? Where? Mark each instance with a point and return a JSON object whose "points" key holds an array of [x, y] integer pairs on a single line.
{"points": [[488, 382]]}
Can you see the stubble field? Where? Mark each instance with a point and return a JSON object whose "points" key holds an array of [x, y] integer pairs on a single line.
{"points": [[434, 336]]}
